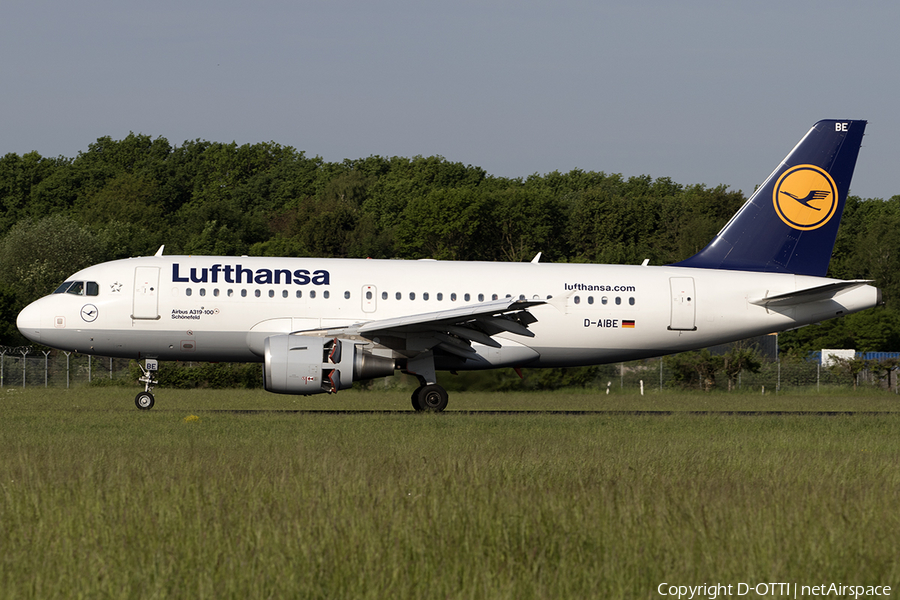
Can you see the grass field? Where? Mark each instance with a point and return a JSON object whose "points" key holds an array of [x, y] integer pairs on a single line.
{"points": [[100, 500]]}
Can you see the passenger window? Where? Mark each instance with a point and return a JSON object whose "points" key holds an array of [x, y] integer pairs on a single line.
{"points": [[216, 292], [604, 300], [299, 293], [312, 294], [271, 293], [618, 300], [284, 294], [631, 301], [202, 291], [230, 293], [577, 299], [243, 293], [188, 292], [440, 296], [590, 299], [326, 294], [453, 297], [481, 297], [384, 295], [467, 297], [398, 296], [412, 295], [257, 293], [425, 296]]}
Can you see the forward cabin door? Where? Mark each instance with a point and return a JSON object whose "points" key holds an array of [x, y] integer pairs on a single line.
{"points": [[146, 293], [683, 300]]}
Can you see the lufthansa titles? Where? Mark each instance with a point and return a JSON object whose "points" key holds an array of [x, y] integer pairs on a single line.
{"points": [[238, 274]]}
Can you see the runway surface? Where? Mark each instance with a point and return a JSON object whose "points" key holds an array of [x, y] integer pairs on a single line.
{"points": [[639, 413]]}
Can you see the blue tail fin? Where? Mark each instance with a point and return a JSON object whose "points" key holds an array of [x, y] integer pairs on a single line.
{"points": [[790, 223]]}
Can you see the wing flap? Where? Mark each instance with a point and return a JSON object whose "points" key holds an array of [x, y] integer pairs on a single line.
{"points": [[452, 330], [450, 317]]}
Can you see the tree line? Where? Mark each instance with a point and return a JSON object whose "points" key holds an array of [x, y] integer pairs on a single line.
{"points": [[122, 198]]}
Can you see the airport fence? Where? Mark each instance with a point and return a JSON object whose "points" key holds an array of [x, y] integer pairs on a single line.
{"points": [[27, 366], [773, 376]]}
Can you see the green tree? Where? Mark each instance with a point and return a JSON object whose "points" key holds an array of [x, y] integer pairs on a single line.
{"points": [[36, 256], [850, 368], [873, 330], [403, 180], [738, 359], [696, 368], [525, 222], [449, 224], [18, 177]]}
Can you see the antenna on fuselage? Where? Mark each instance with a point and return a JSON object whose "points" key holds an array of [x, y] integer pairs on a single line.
{"points": [[160, 251]]}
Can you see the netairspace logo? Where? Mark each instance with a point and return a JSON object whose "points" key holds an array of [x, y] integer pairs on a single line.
{"points": [[771, 590]]}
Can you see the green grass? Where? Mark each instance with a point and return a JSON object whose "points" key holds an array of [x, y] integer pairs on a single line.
{"points": [[100, 500]]}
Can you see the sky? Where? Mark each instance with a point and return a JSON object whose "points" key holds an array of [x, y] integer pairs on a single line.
{"points": [[702, 92]]}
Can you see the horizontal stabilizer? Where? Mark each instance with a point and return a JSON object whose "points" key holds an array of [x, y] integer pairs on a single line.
{"points": [[813, 294]]}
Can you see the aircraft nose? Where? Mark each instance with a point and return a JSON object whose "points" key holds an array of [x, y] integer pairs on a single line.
{"points": [[29, 322]]}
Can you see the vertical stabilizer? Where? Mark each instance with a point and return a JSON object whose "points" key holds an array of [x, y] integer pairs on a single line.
{"points": [[790, 223]]}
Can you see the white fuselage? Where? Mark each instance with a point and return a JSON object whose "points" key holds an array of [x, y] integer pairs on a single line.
{"points": [[223, 308]]}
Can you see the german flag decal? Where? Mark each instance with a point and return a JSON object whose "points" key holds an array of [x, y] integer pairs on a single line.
{"points": [[627, 324]]}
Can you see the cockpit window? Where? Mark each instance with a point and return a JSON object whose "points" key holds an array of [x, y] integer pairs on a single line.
{"points": [[79, 288]]}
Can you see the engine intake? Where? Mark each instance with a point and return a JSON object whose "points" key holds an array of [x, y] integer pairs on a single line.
{"points": [[297, 364]]}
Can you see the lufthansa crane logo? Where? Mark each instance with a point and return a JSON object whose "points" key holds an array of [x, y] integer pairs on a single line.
{"points": [[89, 313], [805, 197]]}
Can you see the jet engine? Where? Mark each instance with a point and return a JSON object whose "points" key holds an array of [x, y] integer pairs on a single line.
{"points": [[297, 364]]}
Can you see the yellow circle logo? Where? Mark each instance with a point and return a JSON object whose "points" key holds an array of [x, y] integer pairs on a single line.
{"points": [[805, 197]]}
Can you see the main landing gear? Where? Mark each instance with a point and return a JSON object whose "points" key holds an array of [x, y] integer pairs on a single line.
{"points": [[145, 400], [429, 396]]}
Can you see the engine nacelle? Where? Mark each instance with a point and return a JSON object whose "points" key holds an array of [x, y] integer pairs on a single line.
{"points": [[298, 364]]}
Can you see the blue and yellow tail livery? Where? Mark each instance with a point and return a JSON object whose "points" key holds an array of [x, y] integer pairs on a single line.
{"points": [[790, 223]]}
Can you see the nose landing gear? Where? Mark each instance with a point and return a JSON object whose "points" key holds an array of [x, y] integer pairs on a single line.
{"points": [[145, 400]]}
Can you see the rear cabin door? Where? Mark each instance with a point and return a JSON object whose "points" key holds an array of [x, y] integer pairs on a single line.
{"points": [[146, 293], [683, 300]]}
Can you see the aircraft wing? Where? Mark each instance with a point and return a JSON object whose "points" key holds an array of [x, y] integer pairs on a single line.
{"points": [[813, 294], [452, 330]]}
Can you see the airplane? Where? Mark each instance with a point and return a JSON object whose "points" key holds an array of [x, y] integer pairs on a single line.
{"points": [[318, 325]]}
